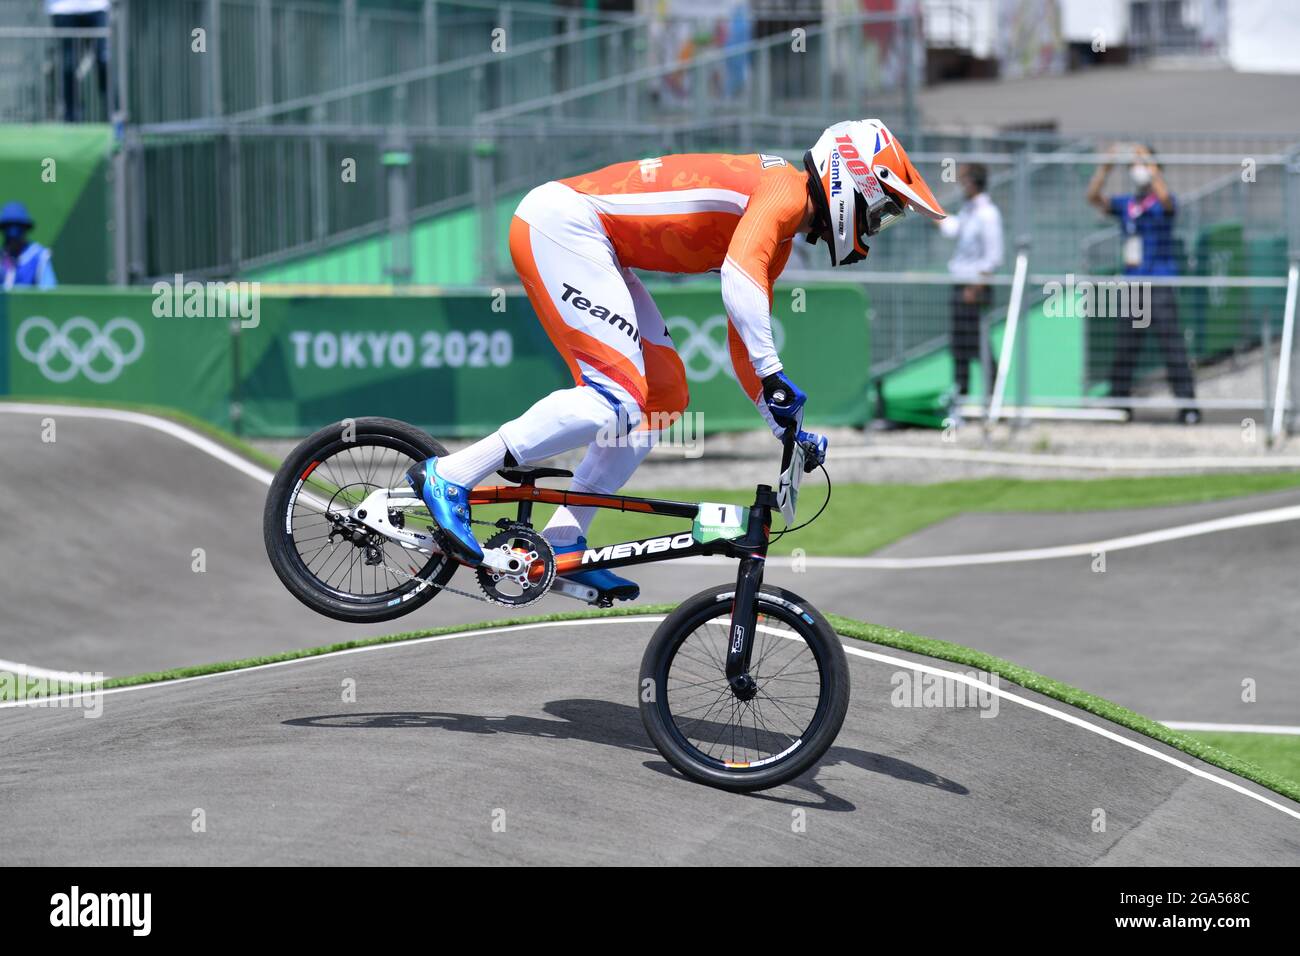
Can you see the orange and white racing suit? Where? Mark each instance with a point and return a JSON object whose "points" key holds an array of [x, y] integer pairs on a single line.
{"points": [[574, 243]]}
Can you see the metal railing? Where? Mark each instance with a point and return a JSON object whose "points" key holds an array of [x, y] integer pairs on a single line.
{"points": [[822, 69], [457, 92], [193, 59], [55, 75]]}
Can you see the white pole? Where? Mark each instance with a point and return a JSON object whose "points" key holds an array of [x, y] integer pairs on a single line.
{"points": [[1284, 357], [1009, 337]]}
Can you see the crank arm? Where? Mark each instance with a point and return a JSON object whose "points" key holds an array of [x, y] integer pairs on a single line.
{"points": [[573, 589], [505, 562]]}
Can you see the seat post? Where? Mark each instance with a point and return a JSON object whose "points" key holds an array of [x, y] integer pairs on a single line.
{"points": [[526, 504]]}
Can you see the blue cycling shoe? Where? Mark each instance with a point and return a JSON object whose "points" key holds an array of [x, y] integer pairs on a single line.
{"points": [[449, 505], [609, 584]]}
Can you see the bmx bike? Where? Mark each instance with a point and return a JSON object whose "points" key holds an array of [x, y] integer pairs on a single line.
{"points": [[743, 686]]}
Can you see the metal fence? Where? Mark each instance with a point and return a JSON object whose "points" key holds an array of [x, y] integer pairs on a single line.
{"points": [[476, 130], [1205, 337], [841, 64], [55, 75], [201, 59], [237, 159]]}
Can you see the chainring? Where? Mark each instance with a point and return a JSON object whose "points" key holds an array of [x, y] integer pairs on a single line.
{"points": [[537, 567]]}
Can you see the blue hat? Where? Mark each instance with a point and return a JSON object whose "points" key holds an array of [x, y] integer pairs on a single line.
{"points": [[15, 214]]}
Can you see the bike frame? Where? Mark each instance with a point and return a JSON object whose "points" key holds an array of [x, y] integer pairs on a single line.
{"points": [[750, 548], [642, 550]]}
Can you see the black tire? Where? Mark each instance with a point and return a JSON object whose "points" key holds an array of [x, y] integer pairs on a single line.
{"points": [[279, 520], [832, 677]]}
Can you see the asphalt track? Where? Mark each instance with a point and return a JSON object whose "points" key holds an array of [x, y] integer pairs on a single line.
{"points": [[535, 728], [540, 723], [100, 527]]}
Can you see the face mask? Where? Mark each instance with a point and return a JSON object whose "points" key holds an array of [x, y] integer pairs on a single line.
{"points": [[1141, 175]]}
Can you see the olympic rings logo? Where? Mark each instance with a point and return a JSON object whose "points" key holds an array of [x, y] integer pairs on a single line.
{"points": [[703, 348], [81, 344]]}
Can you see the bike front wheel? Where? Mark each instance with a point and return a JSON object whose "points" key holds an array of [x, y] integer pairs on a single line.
{"points": [[706, 731]]}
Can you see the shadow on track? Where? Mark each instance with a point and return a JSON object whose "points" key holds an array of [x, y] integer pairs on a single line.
{"points": [[618, 725]]}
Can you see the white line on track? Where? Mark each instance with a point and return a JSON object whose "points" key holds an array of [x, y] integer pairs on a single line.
{"points": [[849, 648], [43, 673], [1250, 519], [1090, 463], [164, 425], [1072, 719], [1087, 549], [1232, 728]]}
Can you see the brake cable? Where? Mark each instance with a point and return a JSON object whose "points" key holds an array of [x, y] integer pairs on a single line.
{"points": [[805, 524]]}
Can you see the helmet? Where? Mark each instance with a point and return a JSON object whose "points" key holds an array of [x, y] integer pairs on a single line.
{"points": [[861, 183]]}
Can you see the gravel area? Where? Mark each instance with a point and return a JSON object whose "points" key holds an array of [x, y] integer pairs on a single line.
{"points": [[925, 456]]}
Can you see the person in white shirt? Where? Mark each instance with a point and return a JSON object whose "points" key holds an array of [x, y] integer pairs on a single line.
{"points": [[978, 231], [80, 15]]}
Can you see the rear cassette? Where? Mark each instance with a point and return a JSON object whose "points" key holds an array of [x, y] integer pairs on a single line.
{"points": [[533, 569]]}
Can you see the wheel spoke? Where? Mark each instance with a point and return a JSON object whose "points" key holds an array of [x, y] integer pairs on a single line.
{"points": [[719, 725]]}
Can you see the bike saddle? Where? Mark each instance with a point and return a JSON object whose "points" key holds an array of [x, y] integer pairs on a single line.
{"points": [[520, 475]]}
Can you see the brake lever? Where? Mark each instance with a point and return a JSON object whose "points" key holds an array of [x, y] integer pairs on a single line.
{"points": [[814, 453]]}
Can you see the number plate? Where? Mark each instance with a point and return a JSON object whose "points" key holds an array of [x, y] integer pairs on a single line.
{"points": [[715, 522]]}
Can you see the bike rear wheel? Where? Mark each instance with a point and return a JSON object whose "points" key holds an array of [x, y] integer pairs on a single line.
{"points": [[710, 735], [362, 578]]}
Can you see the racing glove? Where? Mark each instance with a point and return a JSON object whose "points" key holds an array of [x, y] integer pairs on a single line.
{"points": [[784, 399]]}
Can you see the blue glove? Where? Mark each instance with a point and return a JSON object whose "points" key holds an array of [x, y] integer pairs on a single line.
{"points": [[784, 399], [814, 450]]}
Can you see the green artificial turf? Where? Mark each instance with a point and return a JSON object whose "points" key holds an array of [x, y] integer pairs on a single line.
{"points": [[1278, 753], [861, 518]]}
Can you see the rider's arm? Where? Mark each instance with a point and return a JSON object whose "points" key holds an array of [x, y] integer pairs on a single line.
{"points": [[751, 383], [758, 252], [761, 241]]}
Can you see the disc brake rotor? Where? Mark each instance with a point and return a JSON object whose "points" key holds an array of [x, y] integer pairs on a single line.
{"points": [[532, 567]]}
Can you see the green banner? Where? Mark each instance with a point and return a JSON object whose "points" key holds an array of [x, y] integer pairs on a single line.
{"points": [[821, 334], [463, 364], [457, 364], [108, 346]]}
